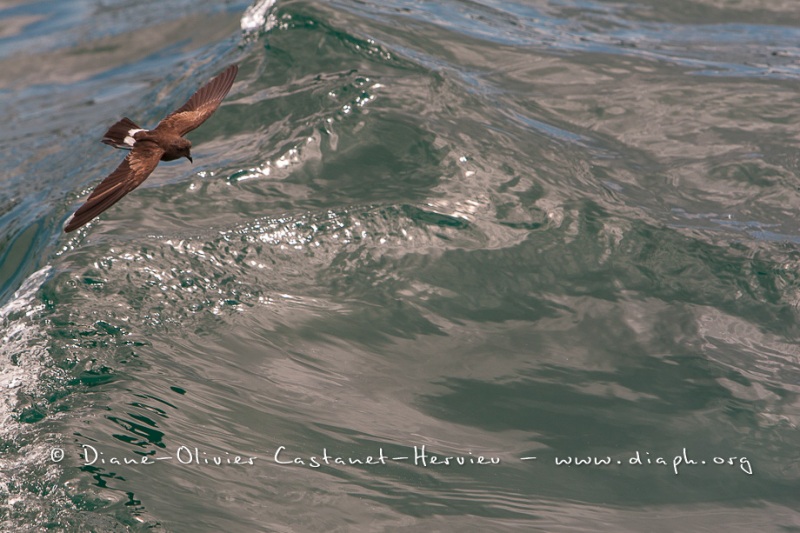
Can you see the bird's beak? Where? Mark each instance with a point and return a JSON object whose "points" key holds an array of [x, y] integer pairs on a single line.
{"points": [[189, 158]]}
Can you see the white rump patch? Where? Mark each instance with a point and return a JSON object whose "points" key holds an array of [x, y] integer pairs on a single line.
{"points": [[129, 140]]}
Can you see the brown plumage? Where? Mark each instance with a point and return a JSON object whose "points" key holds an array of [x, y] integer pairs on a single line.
{"points": [[147, 147]]}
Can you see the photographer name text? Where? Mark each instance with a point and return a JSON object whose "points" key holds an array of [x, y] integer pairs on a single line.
{"points": [[418, 456]]}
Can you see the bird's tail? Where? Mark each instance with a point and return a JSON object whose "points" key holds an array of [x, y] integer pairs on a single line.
{"points": [[120, 135]]}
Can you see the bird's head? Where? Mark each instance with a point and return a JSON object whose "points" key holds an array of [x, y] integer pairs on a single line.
{"points": [[183, 149]]}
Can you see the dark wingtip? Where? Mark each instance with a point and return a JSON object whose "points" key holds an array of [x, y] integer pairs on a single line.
{"points": [[71, 225], [230, 72]]}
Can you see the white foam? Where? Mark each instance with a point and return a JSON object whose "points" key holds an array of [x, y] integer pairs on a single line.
{"points": [[24, 363], [25, 294], [22, 356], [255, 17]]}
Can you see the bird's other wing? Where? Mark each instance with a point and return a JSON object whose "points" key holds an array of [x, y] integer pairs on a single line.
{"points": [[133, 170], [201, 105]]}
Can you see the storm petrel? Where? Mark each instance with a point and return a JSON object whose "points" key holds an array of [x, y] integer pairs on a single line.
{"points": [[147, 147]]}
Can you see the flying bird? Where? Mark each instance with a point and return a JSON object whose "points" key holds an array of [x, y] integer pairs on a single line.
{"points": [[147, 147]]}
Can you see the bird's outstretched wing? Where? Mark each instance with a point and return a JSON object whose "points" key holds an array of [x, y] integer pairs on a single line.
{"points": [[133, 170], [201, 105]]}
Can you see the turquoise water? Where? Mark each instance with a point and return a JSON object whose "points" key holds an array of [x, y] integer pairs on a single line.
{"points": [[430, 259]]}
